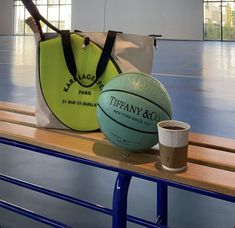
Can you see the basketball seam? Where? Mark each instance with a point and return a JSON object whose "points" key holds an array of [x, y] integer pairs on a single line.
{"points": [[146, 132], [119, 90]]}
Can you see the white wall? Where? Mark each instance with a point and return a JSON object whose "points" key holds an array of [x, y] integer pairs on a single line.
{"points": [[174, 19], [88, 15], [6, 17]]}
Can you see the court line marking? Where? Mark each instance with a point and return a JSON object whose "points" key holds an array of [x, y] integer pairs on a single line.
{"points": [[192, 76], [175, 75]]}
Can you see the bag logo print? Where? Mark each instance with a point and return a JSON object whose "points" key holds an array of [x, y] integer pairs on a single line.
{"points": [[88, 77]]}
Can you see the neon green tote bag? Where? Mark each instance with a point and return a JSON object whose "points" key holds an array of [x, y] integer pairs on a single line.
{"points": [[72, 69], [73, 98]]}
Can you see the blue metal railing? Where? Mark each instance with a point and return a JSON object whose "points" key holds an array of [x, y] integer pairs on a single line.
{"points": [[119, 210], [32, 215]]}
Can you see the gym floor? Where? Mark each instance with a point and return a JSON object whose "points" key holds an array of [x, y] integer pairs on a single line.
{"points": [[200, 78]]}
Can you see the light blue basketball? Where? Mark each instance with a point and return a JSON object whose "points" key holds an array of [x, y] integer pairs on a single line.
{"points": [[129, 108]]}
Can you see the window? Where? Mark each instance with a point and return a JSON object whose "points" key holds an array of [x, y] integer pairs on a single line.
{"points": [[57, 12], [219, 20]]}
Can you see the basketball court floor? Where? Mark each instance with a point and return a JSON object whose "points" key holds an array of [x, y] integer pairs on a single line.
{"points": [[200, 78]]}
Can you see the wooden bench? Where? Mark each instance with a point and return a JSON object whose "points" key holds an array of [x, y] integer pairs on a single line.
{"points": [[211, 161]]}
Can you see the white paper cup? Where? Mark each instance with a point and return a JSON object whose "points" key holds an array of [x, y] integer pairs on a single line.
{"points": [[173, 144]]}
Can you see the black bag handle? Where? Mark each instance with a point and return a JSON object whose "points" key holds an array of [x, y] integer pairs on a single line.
{"points": [[103, 61], [67, 47], [31, 7], [68, 53], [106, 54]]}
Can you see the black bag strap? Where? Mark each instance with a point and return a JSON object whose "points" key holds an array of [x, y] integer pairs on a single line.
{"points": [[103, 61], [31, 7], [68, 53], [106, 54], [67, 47]]}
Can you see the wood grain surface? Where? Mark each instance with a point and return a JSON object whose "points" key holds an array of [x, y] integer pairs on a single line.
{"points": [[211, 160]]}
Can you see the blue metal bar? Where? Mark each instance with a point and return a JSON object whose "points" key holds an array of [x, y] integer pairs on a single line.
{"points": [[144, 223], [70, 199], [162, 203], [55, 194], [32, 215], [120, 200], [41, 150]]}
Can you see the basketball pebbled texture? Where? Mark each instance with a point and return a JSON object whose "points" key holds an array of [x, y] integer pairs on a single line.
{"points": [[129, 108]]}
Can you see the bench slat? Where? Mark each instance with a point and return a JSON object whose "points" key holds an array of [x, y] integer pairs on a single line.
{"points": [[17, 118], [195, 139], [28, 120], [211, 157], [197, 154], [201, 176], [213, 142], [17, 108]]}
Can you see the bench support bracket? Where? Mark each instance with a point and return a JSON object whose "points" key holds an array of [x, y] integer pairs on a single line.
{"points": [[162, 203], [120, 200]]}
